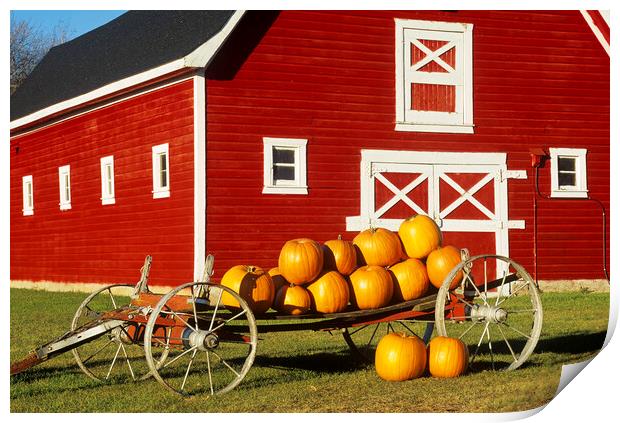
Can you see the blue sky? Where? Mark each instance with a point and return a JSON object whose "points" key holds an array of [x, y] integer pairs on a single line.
{"points": [[77, 22]]}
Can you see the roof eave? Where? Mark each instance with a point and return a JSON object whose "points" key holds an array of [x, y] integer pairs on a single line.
{"points": [[199, 58]]}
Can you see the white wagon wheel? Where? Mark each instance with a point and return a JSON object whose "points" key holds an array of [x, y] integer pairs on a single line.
{"points": [[500, 322], [113, 355], [362, 340], [215, 346]]}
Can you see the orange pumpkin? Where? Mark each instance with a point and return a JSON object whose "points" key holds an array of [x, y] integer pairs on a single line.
{"points": [[371, 287], [400, 357], [447, 357], [292, 299], [420, 235], [411, 280], [329, 293], [440, 263], [340, 255], [253, 284], [378, 247], [277, 278], [300, 261]]}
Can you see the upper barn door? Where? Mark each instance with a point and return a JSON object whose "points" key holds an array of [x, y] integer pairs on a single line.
{"points": [[465, 193]]}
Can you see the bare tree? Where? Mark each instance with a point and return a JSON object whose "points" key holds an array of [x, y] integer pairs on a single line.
{"points": [[28, 46]]}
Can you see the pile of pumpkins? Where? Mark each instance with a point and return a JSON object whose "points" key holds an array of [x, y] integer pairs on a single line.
{"points": [[378, 268]]}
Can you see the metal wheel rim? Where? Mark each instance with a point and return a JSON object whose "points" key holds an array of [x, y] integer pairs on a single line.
{"points": [[536, 303], [155, 367], [121, 357], [365, 351]]}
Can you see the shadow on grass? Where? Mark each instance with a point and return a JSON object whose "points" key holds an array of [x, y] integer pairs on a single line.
{"points": [[573, 344], [322, 362], [577, 344]]}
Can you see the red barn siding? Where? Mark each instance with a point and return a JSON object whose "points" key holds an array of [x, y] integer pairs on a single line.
{"points": [[95, 243], [540, 80]]}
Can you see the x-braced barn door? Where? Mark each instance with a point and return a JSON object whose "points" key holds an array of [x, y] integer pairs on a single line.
{"points": [[465, 193]]}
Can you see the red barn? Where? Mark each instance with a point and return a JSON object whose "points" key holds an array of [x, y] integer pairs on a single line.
{"points": [[180, 133]]}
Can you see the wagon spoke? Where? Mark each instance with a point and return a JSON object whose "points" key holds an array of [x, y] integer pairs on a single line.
{"points": [[486, 292], [114, 360], [516, 330], [112, 298], [194, 308], [242, 312], [209, 370], [463, 301], [486, 327], [359, 329], [529, 310], [217, 304], [372, 336], [499, 292], [507, 343], [406, 327], [189, 366], [513, 293], [225, 363], [98, 351], [474, 323], [475, 287], [490, 347], [179, 356], [133, 376], [183, 320]]}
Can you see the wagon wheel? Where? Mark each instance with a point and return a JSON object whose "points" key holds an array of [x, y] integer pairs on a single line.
{"points": [[363, 339], [211, 348], [112, 355], [500, 319]]}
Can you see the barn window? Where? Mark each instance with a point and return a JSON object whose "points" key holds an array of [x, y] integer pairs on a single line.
{"points": [[64, 183], [107, 180], [161, 171], [284, 166], [28, 196], [568, 172], [434, 76]]}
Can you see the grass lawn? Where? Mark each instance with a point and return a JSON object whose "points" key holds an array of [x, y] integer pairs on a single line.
{"points": [[303, 371]]}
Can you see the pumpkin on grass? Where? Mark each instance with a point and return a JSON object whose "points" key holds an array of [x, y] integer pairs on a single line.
{"points": [[300, 261], [340, 255], [447, 357], [329, 293], [410, 280], [371, 287], [252, 284], [378, 247], [292, 299], [440, 263], [420, 235], [400, 357]]}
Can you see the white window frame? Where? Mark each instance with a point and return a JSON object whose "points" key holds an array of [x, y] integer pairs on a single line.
{"points": [[462, 121], [160, 191], [64, 185], [27, 197], [299, 185], [107, 181], [580, 190]]}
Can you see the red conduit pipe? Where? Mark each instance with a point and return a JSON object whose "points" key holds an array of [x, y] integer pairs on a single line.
{"points": [[546, 197]]}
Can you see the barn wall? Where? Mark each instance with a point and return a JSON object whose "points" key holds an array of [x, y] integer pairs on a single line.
{"points": [[107, 244], [541, 79]]}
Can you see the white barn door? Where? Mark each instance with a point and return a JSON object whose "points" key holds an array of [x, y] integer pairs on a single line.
{"points": [[465, 193]]}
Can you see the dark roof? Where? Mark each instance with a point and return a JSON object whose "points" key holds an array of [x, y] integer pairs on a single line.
{"points": [[132, 43]]}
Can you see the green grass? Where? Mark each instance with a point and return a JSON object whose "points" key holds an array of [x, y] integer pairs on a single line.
{"points": [[303, 371]]}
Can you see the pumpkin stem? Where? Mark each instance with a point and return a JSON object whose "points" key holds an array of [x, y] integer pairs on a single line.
{"points": [[251, 269], [339, 237]]}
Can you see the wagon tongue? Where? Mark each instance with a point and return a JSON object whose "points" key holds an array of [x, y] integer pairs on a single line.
{"points": [[66, 342]]}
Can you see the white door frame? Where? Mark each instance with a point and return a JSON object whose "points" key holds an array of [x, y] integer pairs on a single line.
{"points": [[376, 161]]}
